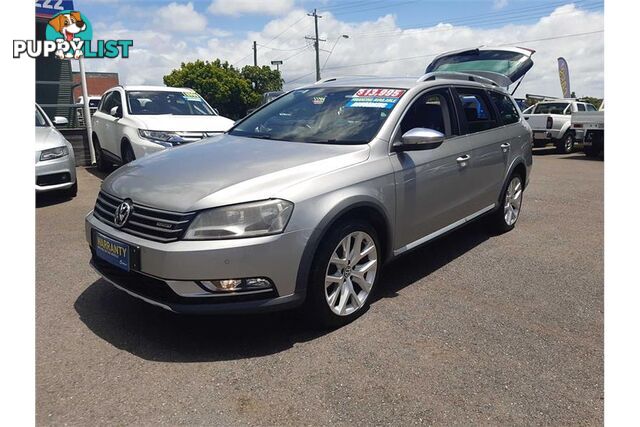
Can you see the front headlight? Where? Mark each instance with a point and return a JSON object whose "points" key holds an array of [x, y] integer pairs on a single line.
{"points": [[244, 220], [54, 153], [166, 139]]}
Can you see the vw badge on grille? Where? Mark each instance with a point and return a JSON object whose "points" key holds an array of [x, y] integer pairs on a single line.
{"points": [[122, 213]]}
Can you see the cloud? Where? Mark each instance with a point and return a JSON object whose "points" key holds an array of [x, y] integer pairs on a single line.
{"points": [[240, 7], [500, 4], [385, 48], [180, 18]]}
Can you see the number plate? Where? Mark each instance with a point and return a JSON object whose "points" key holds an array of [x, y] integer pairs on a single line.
{"points": [[112, 251], [540, 135]]}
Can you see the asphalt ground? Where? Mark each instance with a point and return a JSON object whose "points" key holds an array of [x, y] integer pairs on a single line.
{"points": [[471, 329]]}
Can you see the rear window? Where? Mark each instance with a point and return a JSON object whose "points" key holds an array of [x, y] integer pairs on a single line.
{"points": [[508, 112], [497, 61], [551, 108], [476, 111]]}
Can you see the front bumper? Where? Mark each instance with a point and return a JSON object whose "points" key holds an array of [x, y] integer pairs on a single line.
{"points": [[57, 174], [167, 273]]}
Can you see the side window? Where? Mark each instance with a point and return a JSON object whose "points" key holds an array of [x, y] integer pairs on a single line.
{"points": [[433, 110], [117, 100], [508, 112], [476, 111], [104, 103], [581, 107], [591, 108]]}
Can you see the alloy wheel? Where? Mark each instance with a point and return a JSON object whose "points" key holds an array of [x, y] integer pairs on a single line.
{"points": [[568, 144], [351, 273], [513, 201]]}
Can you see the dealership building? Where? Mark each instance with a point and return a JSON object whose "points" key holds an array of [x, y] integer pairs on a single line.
{"points": [[59, 87]]}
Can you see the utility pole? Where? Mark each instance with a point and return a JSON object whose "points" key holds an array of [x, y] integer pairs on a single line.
{"points": [[255, 54], [316, 41]]}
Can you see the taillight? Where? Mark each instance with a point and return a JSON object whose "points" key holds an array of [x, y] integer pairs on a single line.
{"points": [[577, 125], [549, 122]]}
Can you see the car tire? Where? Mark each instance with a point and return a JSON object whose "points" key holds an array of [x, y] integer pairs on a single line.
{"points": [[507, 215], [566, 144], [335, 302], [101, 163], [128, 155], [539, 144], [590, 151]]}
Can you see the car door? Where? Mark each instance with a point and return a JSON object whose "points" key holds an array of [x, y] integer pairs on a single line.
{"points": [[103, 123], [431, 184], [111, 134], [490, 143]]}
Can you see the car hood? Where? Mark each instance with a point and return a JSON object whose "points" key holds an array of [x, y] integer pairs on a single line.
{"points": [[169, 122], [225, 170], [48, 137]]}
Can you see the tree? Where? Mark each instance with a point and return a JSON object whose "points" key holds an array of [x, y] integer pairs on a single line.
{"points": [[264, 78], [591, 100], [225, 87]]}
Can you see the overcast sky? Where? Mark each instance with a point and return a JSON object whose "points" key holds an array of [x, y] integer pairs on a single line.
{"points": [[390, 38]]}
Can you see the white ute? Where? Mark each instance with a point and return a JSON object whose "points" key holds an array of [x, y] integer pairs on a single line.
{"points": [[133, 121], [550, 121]]}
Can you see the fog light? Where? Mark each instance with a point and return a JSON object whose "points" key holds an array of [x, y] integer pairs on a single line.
{"points": [[236, 285]]}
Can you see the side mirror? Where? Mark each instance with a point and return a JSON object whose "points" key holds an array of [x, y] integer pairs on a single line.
{"points": [[116, 112], [60, 121], [419, 139]]}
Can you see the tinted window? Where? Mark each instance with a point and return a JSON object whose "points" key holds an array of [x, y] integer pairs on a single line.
{"points": [[476, 111], [581, 107], [591, 108], [105, 101], [113, 99], [508, 112], [430, 111], [551, 108], [323, 115]]}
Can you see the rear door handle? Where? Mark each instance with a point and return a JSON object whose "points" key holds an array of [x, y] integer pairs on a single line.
{"points": [[462, 160], [505, 147]]}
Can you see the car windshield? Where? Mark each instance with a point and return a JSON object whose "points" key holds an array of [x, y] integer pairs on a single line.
{"points": [[551, 108], [346, 115], [40, 120], [179, 103]]}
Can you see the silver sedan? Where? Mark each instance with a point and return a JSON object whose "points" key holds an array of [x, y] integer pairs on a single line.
{"points": [[55, 162]]}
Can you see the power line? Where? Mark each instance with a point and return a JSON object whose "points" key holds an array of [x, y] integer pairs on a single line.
{"points": [[284, 50], [436, 54], [479, 19]]}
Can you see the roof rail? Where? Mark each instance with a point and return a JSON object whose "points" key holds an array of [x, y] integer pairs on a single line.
{"points": [[455, 76]]}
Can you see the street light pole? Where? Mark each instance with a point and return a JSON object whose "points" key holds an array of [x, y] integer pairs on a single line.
{"points": [[343, 36]]}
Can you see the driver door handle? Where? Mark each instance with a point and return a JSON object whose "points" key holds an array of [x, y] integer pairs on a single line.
{"points": [[462, 160]]}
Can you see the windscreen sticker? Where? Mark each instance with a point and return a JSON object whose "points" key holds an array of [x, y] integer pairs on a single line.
{"points": [[191, 96], [375, 98]]}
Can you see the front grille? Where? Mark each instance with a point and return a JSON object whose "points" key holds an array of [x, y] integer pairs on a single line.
{"points": [[150, 223], [188, 137], [53, 179]]}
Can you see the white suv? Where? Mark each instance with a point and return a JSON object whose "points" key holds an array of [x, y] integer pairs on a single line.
{"points": [[133, 121]]}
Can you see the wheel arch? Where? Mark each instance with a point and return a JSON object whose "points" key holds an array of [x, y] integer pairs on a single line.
{"points": [[370, 210], [519, 167]]}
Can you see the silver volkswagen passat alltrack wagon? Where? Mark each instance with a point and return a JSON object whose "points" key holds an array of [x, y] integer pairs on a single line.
{"points": [[303, 201]]}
